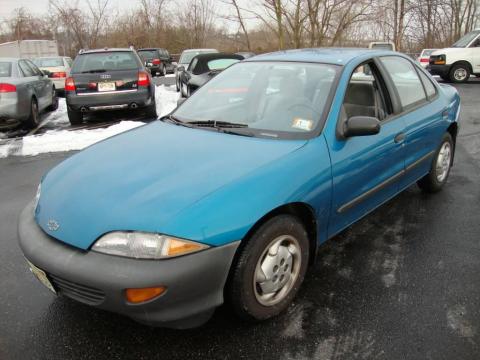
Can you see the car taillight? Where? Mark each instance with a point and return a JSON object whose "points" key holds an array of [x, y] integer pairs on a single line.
{"points": [[60, 74], [7, 88], [156, 62], [424, 59], [143, 79], [69, 84]]}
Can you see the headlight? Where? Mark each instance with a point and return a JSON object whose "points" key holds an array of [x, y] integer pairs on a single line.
{"points": [[141, 245], [439, 59], [37, 197]]}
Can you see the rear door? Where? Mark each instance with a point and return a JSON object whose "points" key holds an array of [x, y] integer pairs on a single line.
{"points": [[421, 110], [106, 72], [366, 170]]}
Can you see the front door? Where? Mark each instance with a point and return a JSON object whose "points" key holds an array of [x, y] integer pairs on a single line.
{"points": [[366, 170]]}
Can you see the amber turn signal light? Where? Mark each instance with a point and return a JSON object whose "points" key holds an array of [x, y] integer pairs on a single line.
{"points": [[136, 296]]}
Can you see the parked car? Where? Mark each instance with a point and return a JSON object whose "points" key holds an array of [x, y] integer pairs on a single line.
{"points": [[108, 79], [24, 92], [424, 57], [202, 68], [158, 61], [382, 45], [459, 61], [57, 68], [230, 196], [246, 54], [184, 61]]}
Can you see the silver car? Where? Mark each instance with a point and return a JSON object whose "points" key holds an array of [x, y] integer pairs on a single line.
{"points": [[25, 91]]}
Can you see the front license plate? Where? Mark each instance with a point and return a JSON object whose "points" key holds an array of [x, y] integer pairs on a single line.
{"points": [[106, 86], [41, 276]]}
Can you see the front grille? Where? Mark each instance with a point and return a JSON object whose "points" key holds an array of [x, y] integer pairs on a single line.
{"points": [[82, 293]]}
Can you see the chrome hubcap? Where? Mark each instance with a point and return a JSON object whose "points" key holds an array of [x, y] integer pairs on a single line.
{"points": [[460, 74], [277, 270], [443, 161]]}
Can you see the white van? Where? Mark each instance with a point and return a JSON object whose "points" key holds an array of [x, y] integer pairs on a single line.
{"points": [[459, 61], [382, 45]]}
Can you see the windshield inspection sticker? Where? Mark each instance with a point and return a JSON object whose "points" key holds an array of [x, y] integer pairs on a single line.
{"points": [[302, 124]]}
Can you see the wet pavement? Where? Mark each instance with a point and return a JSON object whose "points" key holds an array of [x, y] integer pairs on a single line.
{"points": [[403, 283]]}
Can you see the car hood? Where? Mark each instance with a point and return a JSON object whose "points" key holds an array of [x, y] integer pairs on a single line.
{"points": [[141, 179], [447, 51]]}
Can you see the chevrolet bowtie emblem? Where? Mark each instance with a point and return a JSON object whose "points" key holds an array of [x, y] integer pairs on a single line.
{"points": [[53, 225]]}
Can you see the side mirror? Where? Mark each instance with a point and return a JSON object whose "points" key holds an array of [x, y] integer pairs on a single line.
{"points": [[181, 68], [46, 73], [181, 101], [361, 126]]}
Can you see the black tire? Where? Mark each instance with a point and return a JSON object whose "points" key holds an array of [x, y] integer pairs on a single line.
{"points": [[241, 292], [151, 112], [163, 71], [75, 117], [458, 69], [54, 105], [34, 118], [176, 84], [445, 78], [431, 183]]}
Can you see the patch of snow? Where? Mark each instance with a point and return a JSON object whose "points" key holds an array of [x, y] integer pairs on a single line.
{"points": [[64, 139]]}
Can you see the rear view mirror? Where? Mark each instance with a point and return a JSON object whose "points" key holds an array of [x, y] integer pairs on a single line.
{"points": [[361, 126]]}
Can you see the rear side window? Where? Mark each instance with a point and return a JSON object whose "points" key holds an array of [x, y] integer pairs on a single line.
{"points": [[429, 87], [406, 81], [5, 69], [105, 61]]}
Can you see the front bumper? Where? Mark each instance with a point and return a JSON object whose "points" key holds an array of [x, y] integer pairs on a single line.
{"points": [[89, 102], [194, 282], [441, 70]]}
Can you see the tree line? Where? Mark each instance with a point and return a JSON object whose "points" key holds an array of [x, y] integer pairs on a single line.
{"points": [[255, 25]]}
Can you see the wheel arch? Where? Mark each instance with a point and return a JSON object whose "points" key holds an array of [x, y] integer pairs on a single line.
{"points": [[466, 62]]}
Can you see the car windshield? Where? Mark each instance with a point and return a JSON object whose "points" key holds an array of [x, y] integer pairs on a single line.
{"points": [[428, 52], [5, 69], [187, 56], [148, 54], [48, 62], [465, 40], [105, 61], [273, 99]]}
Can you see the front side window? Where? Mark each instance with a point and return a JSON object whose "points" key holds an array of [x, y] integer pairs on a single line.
{"points": [[272, 99], [105, 61], [405, 79]]}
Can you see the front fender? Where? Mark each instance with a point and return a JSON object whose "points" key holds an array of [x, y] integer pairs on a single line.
{"points": [[227, 214]]}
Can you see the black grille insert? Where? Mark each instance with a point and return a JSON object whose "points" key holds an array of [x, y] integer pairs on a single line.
{"points": [[82, 293]]}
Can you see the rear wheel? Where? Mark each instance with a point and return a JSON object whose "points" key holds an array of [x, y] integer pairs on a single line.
{"points": [[163, 71], [33, 119], [440, 168], [54, 104], [460, 73], [269, 269], [151, 111], [75, 117]]}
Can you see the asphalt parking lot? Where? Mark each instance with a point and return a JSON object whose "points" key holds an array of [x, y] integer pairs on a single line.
{"points": [[403, 283]]}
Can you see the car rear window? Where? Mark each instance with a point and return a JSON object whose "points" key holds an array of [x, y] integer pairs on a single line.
{"points": [[48, 62], [220, 64], [5, 69], [105, 61], [148, 54]]}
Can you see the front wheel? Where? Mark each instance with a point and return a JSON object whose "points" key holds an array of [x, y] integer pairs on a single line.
{"points": [[459, 73], [440, 168], [269, 269]]}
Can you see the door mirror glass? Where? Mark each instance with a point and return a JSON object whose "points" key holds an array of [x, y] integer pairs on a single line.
{"points": [[361, 126], [181, 68]]}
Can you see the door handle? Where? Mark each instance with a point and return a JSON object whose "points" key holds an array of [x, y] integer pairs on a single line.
{"points": [[400, 137]]}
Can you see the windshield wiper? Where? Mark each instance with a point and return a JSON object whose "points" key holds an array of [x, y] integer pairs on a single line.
{"points": [[217, 124], [172, 119], [94, 71]]}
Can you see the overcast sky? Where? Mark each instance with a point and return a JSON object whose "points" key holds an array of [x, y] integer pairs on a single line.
{"points": [[41, 6]]}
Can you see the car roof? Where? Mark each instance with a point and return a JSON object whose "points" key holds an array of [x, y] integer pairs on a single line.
{"points": [[90, 51], [337, 56], [192, 50], [149, 49]]}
